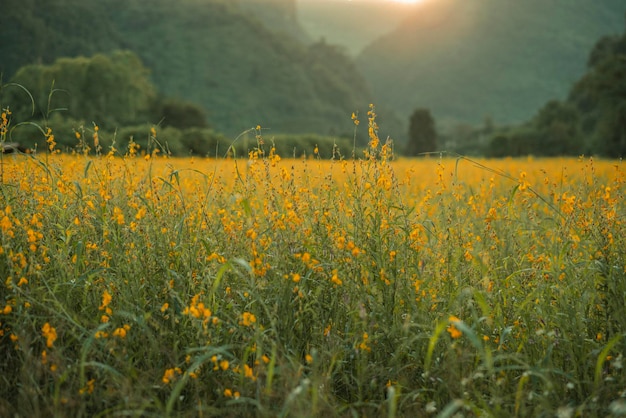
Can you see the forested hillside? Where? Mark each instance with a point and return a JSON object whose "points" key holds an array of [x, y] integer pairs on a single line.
{"points": [[280, 16], [466, 60], [351, 24], [210, 52], [591, 120]]}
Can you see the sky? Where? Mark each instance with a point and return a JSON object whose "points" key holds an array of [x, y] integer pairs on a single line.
{"points": [[379, 1]]}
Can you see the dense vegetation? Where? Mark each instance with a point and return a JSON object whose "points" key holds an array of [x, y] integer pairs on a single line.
{"points": [[211, 53], [592, 120], [351, 24], [300, 287], [467, 60], [211, 70]]}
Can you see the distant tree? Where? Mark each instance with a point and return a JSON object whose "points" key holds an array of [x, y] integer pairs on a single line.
{"points": [[179, 113], [600, 97], [557, 130], [111, 89], [513, 142], [422, 133]]}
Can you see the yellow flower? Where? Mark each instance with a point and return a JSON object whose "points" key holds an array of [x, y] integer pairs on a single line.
{"points": [[454, 332], [363, 345], [106, 299], [6, 224], [247, 370], [122, 331], [170, 375], [118, 215], [88, 388], [247, 319], [523, 183], [140, 213], [49, 333]]}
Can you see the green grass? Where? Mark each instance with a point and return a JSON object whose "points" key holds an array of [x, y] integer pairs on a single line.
{"points": [[269, 287]]}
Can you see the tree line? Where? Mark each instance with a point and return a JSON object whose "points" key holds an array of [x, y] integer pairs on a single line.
{"points": [[114, 93], [241, 66], [590, 121]]}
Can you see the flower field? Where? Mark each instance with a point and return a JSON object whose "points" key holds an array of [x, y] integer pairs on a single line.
{"points": [[149, 286]]}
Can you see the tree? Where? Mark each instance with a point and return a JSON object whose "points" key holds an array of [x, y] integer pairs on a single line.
{"points": [[112, 89], [600, 97], [557, 126], [180, 114], [422, 133]]}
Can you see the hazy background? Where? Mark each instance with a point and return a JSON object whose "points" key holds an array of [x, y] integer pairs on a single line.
{"points": [[480, 67]]}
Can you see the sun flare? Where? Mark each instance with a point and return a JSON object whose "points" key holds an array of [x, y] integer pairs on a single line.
{"points": [[408, 1]]}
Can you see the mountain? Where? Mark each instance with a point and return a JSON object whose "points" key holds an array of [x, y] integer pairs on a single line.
{"points": [[280, 16], [220, 54], [470, 59], [350, 24]]}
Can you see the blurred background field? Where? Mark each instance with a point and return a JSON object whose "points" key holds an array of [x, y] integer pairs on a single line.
{"points": [[496, 79]]}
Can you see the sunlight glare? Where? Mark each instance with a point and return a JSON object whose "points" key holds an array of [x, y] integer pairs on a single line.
{"points": [[408, 1]]}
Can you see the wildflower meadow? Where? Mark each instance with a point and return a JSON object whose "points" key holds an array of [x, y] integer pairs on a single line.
{"points": [[134, 284]]}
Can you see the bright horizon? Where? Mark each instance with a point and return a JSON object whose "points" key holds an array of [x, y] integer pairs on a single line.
{"points": [[408, 2]]}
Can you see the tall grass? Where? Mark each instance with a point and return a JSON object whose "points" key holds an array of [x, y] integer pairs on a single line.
{"points": [[147, 286]]}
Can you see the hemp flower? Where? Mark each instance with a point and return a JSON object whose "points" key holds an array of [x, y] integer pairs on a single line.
{"points": [[355, 119], [88, 388], [49, 333], [247, 371], [454, 332], [363, 345], [247, 319], [121, 331], [335, 279], [170, 375]]}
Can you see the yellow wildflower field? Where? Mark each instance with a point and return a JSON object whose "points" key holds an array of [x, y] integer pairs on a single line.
{"points": [[145, 285]]}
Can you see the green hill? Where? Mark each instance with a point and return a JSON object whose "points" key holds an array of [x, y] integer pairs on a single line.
{"points": [[469, 59], [211, 52], [350, 24], [281, 16]]}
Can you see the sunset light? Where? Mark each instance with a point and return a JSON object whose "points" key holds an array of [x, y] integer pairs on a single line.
{"points": [[407, 2]]}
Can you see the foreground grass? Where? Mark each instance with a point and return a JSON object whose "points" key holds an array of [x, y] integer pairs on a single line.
{"points": [[146, 286]]}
